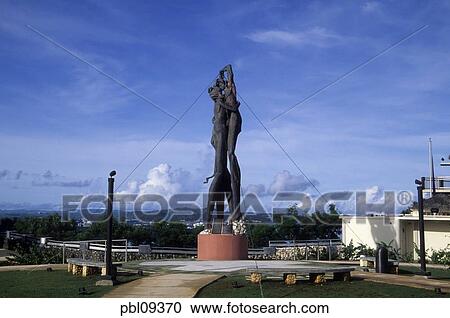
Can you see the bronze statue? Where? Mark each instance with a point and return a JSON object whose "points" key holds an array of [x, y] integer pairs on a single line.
{"points": [[227, 123]]}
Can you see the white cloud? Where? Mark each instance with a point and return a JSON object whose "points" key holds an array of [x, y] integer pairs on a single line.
{"points": [[316, 36], [285, 181], [164, 180], [375, 194], [370, 6], [258, 189]]}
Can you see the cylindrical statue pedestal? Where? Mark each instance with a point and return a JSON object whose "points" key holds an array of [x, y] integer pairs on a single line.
{"points": [[221, 247]]}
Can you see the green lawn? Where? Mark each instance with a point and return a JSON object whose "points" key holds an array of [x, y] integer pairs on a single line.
{"points": [[223, 288], [435, 272], [57, 283]]}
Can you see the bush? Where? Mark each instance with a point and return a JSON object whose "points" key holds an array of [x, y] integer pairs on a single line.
{"points": [[348, 251], [352, 252], [441, 256], [407, 258], [30, 254], [364, 249], [393, 253], [417, 250]]}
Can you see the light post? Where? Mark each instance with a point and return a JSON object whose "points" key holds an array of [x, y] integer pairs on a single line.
{"points": [[423, 266], [109, 227]]}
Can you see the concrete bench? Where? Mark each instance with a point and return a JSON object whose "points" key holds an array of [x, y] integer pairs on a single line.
{"points": [[368, 263], [315, 275], [78, 266]]}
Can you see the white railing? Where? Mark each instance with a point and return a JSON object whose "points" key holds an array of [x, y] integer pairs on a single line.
{"points": [[122, 246], [100, 245], [441, 183]]}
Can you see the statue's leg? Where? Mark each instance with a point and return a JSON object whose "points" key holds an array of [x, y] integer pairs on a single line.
{"points": [[229, 196], [216, 196], [212, 199], [220, 206], [227, 189], [235, 187], [234, 129], [217, 222]]}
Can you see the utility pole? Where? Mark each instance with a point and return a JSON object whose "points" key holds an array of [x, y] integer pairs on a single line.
{"points": [[422, 254]]}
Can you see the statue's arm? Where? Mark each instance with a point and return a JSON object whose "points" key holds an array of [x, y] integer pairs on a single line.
{"points": [[230, 82], [228, 69]]}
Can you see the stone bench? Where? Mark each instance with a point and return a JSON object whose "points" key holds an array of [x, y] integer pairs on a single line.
{"points": [[78, 266], [368, 263], [315, 275]]}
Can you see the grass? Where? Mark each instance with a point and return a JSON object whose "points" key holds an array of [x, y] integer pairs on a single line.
{"points": [[223, 288], [438, 273], [58, 283]]}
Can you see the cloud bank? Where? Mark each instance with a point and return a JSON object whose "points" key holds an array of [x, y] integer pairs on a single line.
{"points": [[316, 36]]}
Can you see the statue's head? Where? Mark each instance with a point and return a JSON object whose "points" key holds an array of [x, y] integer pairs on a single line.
{"points": [[220, 83], [214, 92]]}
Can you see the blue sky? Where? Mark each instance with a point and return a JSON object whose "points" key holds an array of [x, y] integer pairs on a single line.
{"points": [[64, 126]]}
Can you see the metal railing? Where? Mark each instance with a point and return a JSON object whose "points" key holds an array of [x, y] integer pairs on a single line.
{"points": [[122, 246], [100, 245], [441, 184]]}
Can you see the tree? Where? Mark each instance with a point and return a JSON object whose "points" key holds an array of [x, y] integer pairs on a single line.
{"points": [[50, 226], [171, 234], [7, 224], [288, 229], [260, 234]]}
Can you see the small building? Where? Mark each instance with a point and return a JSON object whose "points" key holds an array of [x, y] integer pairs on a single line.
{"points": [[402, 231]]}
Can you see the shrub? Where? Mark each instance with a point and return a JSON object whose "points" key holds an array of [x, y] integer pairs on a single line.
{"points": [[393, 253], [407, 258], [364, 249], [348, 251], [352, 252], [35, 254], [441, 256]]}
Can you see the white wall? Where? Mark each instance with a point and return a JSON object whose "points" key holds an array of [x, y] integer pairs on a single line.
{"points": [[371, 230], [404, 233], [437, 235]]}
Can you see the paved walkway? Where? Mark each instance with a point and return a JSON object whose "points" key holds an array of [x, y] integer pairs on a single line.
{"points": [[184, 285], [410, 281], [244, 265], [31, 267], [3, 254]]}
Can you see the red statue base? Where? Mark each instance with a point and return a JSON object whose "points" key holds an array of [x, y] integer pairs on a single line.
{"points": [[221, 247]]}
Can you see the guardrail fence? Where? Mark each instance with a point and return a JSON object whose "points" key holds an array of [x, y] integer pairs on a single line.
{"points": [[125, 252]]}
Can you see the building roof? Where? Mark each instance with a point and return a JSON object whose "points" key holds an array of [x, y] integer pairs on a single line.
{"points": [[439, 201]]}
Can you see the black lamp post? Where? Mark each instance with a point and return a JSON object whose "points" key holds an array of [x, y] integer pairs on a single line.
{"points": [[109, 227], [423, 266]]}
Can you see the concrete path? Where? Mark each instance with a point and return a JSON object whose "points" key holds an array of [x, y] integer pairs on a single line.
{"points": [[410, 281], [242, 265], [31, 267], [4, 254], [356, 263], [184, 285]]}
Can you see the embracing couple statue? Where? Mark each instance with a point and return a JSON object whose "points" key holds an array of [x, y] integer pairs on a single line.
{"points": [[227, 123]]}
